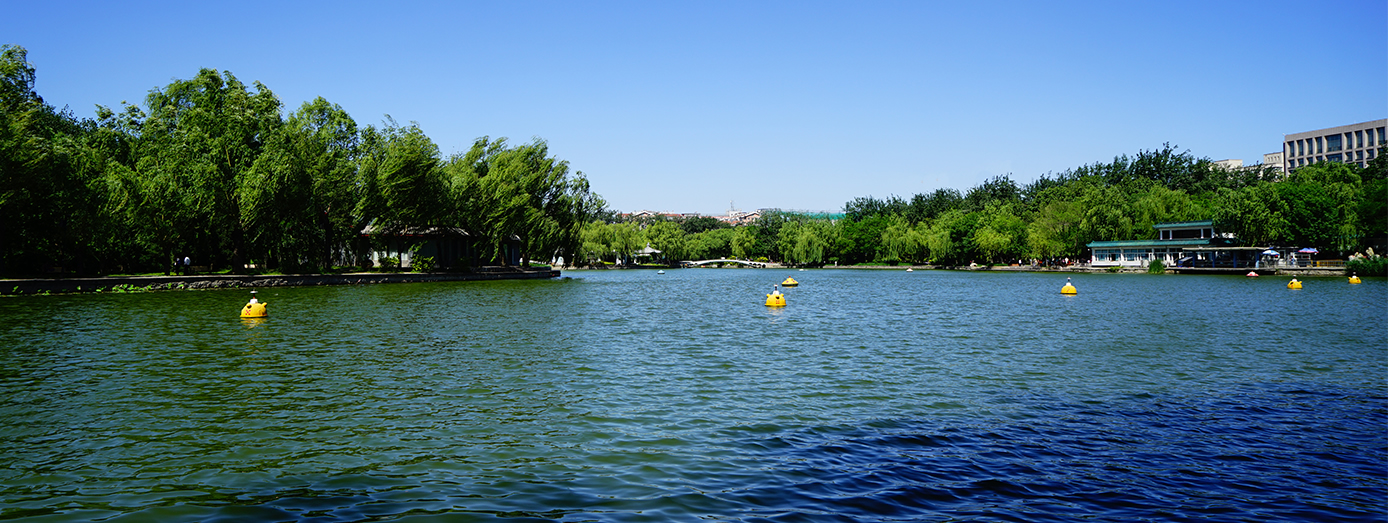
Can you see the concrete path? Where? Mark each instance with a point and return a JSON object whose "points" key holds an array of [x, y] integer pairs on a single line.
{"points": [[69, 285]]}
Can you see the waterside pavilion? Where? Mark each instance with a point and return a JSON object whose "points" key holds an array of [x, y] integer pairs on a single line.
{"points": [[1193, 244]]}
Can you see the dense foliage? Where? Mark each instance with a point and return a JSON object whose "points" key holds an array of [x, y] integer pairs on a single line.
{"points": [[1370, 265], [1337, 208], [212, 169]]}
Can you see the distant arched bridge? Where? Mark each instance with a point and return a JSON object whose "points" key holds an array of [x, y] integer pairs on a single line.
{"points": [[700, 263]]}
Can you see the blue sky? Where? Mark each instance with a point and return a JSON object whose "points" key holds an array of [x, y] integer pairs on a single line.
{"points": [[696, 106]]}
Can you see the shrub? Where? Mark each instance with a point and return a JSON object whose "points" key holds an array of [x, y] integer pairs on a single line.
{"points": [[1156, 267], [1368, 266], [388, 264], [422, 264]]}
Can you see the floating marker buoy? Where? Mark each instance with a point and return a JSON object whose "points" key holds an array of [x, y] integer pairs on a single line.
{"points": [[254, 309], [1068, 288], [1293, 284], [776, 299], [790, 282], [908, 269], [1354, 279], [1251, 274], [662, 271]]}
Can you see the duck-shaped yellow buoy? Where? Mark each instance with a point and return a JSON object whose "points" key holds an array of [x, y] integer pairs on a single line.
{"points": [[790, 282], [1068, 288], [254, 308], [776, 299], [1294, 284], [1353, 278]]}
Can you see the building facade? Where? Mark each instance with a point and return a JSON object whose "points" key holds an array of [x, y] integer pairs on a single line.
{"points": [[1357, 144], [1276, 160], [1176, 244], [1232, 165]]}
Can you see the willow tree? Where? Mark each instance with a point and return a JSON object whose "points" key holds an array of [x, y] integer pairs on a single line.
{"points": [[902, 242], [1251, 214], [401, 179], [610, 241], [744, 242], [203, 136], [807, 242], [712, 243], [52, 200], [786, 238], [24, 147], [1054, 231], [670, 239], [597, 243], [948, 239], [327, 141], [1000, 235], [502, 192], [1106, 215]]}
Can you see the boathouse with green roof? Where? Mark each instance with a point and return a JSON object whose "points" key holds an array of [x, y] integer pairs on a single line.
{"points": [[1190, 244]]}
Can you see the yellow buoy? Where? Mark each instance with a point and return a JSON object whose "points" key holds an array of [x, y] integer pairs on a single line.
{"points": [[1293, 284], [790, 282], [776, 299], [1068, 288], [1354, 279], [254, 309]]}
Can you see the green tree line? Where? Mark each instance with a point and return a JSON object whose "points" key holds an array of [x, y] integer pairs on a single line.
{"points": [[1336, 207], [213, 169]]}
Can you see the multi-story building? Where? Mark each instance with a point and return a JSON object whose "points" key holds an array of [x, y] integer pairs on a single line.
{"points": [[1357, 143], [1276, 160], [1232, 165]]}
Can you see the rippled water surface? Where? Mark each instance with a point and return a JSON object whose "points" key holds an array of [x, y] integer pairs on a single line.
{"points": [[634, 396]]}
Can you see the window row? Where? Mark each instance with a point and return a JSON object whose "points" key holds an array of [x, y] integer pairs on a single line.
{"points": [[1359, 157], [1367, 138]]}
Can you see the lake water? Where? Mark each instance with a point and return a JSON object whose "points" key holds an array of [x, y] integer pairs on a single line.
{"points": [[875, 395]]}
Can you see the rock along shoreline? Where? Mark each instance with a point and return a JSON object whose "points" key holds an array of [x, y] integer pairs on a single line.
{"points": [[220, 281]]}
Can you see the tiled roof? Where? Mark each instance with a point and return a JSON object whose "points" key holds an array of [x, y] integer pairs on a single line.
{"points": [[1192, 242], [1177, 225]]}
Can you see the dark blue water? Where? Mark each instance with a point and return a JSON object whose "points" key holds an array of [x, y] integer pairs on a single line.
{"points": [[632, 396]]}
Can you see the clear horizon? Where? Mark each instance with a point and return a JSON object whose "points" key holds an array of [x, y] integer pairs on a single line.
{"points": [[805, 105]]}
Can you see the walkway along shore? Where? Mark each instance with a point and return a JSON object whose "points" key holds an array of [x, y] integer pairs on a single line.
{"points": [[177, 282], [1083, 269], [1265, 271]]}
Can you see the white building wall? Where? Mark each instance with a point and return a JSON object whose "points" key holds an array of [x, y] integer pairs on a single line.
{"points": [[1134, 257]]}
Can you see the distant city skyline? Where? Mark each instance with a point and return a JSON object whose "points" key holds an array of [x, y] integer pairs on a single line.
{"points": [[798, 105]]}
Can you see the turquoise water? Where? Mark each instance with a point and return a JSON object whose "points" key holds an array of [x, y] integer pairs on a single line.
{"points": [[634, 396]]}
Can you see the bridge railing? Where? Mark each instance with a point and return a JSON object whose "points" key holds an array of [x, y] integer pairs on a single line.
{"points": [[701, 263]]}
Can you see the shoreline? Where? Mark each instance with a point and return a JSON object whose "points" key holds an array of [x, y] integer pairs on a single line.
{"points": [[12, 287], [1262, 271]]}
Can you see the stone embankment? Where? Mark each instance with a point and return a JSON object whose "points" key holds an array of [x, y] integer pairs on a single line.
{"points": [[1277, 271], [1266, 271], [183, 282]]}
